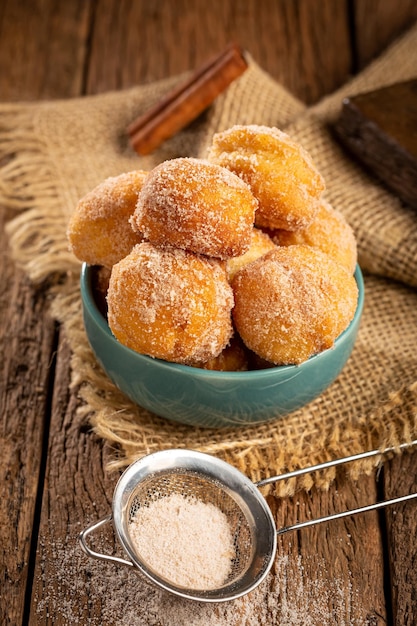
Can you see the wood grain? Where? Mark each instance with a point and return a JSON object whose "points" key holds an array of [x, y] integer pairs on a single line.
{"points": [[27, 340], [43, 47], [59, 49], [400, 478], [39, 46], [342, 559], [303, 48], [377, 23], [76, 490]]}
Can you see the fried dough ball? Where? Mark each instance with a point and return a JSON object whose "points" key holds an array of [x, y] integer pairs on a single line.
{"points": [[293, 303], [198, 206], [170, 304], [279, 171], [330, 232], [99, 231], [261, 243], [234, 358]]}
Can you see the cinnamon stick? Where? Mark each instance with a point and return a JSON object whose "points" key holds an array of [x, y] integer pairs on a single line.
{"points": [[184, 103]]}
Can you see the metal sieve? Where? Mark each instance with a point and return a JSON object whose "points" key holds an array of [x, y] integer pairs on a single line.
{"points": [[211, 480]]}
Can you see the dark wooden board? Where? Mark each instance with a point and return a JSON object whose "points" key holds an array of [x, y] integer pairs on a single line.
{"points": [[380, 129]]}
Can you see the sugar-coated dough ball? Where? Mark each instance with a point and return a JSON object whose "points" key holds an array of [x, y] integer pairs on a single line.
{"points": [[234, 357], [330, 232], [293, 303], [279, 171], [99, 231], [198, 206], [260, 244], [170, 304]]}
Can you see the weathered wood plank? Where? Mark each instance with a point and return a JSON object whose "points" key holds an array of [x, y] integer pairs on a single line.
{"points": [[377, 23], [400, 478], [76, 489], [27, 340], [335, 569], [305, 49], [43, 46]]}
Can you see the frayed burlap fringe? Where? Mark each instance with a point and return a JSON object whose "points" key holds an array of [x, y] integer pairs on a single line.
{"points": [[53, 153], [29, 185]]}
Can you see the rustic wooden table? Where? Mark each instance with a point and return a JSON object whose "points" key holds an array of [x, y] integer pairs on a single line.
{"points": [[52, 476]]}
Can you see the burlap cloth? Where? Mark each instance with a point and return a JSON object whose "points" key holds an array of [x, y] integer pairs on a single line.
{"points": [[53, 152]]}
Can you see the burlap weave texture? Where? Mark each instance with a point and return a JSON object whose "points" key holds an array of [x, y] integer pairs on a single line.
{"points": [[54, 152]]}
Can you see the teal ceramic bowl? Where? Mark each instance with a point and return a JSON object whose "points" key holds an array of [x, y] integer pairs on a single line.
{"points": [[207, 398]]}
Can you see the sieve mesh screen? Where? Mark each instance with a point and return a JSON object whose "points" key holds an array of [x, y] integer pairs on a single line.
{"points": [[194, 485]]}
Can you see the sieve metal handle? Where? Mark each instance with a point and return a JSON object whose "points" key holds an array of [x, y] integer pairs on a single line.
{"points": [[98, 555], [362, 509], [334, 463]]}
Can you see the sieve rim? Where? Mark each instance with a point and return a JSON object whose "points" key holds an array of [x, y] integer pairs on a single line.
{"points": [[239, 487]]}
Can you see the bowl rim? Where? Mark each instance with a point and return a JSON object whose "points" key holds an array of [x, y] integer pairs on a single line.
{"points": [[90, 303]]}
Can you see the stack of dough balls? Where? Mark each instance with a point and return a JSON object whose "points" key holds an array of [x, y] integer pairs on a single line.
{"points": [[233, 262]]}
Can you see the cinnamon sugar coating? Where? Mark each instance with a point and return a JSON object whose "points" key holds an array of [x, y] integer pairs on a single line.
{"points": [[293, 303], [99, 232], [279, 171], [198, 206], [260, 244], [330, 232], [170, 304]]}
